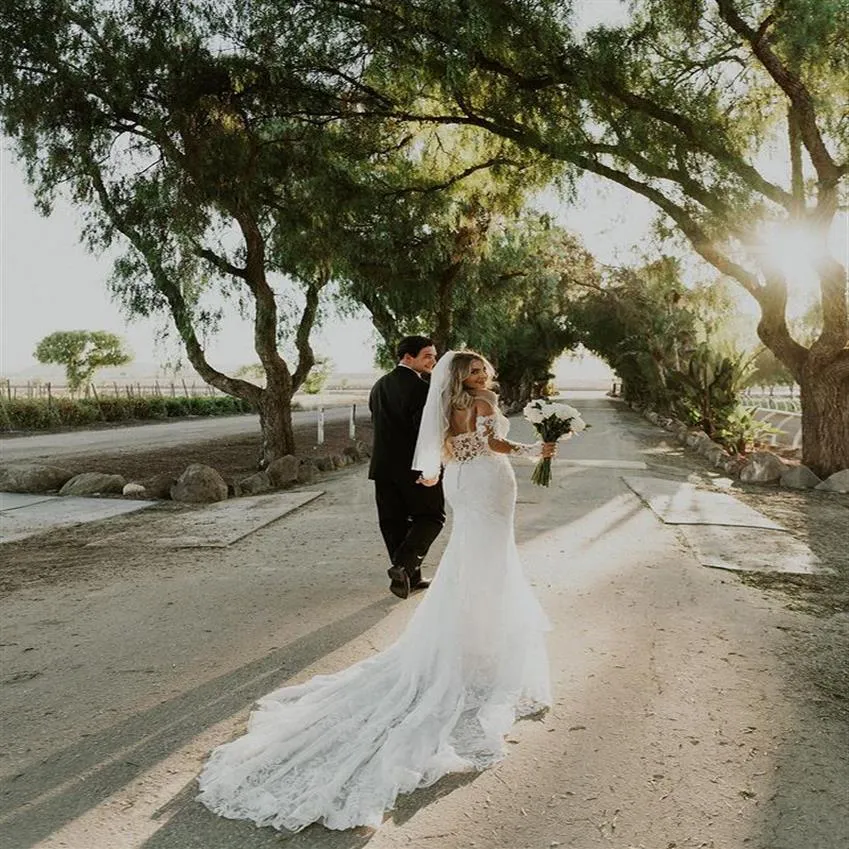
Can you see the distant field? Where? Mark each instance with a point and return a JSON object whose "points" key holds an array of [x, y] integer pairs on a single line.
{"points": [[338, 384]]}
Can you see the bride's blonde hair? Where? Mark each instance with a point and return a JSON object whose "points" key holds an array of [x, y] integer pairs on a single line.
{"points": [[459, 397]]}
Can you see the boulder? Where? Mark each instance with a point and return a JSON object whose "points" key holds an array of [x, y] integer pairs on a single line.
{"points": [[707, 446], [731, 464], [307, 471], [158, 486], [363, 448], [94, 483], [799, 477], [672, 425], [838, 482], [325, 464], [762, 467], [133, 489], [283, 471], [31, 477], [199, 484], [353, 452], [695, 438], [714, 453], [254, 485], [652, 416]]}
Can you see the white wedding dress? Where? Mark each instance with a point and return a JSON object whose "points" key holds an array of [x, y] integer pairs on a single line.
{"points": [[340, 748]]}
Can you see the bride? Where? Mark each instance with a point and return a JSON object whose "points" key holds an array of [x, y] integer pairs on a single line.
{"points": [[340, 748]]}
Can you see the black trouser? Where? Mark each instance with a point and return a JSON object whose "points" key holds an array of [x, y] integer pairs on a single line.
{"points": [[411, 517]]}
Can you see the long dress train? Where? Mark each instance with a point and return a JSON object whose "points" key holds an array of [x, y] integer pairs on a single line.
{"points": [[339, 748]]}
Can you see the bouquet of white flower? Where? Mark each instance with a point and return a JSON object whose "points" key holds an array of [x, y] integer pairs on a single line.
{"points": [[551, 421]]}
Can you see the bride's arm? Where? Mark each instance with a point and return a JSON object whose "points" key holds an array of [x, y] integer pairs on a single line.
{"points": [[484, 409]]}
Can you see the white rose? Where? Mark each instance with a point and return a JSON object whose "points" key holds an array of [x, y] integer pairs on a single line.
{"points": [[564, 411], [578, 424], [533, 413]]}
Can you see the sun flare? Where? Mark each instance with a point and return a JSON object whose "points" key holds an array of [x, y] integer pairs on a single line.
{"points": [[793, 249]]}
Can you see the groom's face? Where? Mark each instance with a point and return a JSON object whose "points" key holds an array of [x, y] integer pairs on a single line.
{"points": [[424, 361]]}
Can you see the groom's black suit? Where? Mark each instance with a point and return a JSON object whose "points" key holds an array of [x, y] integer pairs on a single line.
{"points": [[410, 515]]}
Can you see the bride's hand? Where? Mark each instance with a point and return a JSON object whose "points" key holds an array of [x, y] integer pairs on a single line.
{"points": [[427, 481]]}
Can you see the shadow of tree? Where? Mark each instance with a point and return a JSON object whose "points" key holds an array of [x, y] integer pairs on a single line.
{"points": [[72, 781]]}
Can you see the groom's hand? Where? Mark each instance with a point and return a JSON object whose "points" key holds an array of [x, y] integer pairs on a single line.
{"points": [[427, 481]]}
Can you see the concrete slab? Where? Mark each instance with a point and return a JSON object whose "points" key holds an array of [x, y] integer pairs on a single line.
{"points": [[680, 503], [15, 500], [214, 526], [603, 464], [751, 550], [54, 512]]}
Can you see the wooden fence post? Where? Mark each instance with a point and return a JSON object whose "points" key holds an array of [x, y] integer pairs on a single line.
{"points": [[97, 401], [320, 434]]}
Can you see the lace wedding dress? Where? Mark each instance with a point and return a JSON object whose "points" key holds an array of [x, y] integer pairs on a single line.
{"points": [[340, 748]]}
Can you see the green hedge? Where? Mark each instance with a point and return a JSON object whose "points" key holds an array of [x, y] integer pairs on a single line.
{"points": [[46, 414]]}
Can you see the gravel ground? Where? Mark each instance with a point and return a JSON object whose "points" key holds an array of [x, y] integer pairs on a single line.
{"points": [[692, 710]]}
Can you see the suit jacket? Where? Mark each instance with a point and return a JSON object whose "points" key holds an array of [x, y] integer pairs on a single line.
{"points": [[396, 402]]}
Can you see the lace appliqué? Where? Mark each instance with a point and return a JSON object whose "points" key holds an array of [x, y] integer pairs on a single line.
{"points": [[466, 446]]}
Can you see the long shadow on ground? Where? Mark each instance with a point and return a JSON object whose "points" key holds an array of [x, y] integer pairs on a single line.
{"points": [[43, 798]]}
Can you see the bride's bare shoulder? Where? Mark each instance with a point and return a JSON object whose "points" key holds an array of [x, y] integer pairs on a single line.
{"points": [[486, 401], [487, 395]]}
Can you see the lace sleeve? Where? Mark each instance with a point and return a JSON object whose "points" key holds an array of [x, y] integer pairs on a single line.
{"points": [[523, 450], [485, 427]]}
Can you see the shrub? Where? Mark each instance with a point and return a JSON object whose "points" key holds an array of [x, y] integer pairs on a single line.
{"points": [[175, 407], [115, 409], [44, 413], [71, 412], [154, 408], [32, 414]]}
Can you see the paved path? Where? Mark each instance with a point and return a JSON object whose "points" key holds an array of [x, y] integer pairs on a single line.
{"points": [[685, 715], [51, 446]]}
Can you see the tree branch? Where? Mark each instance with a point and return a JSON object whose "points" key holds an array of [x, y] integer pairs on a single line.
{"points": [[792, 86], [220, 263], [702, 139], [438, 187], [306, 355], [173, 294], [703, 245]]}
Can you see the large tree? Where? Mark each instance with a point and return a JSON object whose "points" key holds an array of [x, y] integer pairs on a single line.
{"points": [[411, 259], [522, 311], [190, 145], [684, 106]]}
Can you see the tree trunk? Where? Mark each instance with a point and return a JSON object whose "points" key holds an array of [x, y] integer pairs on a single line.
{"points": [[825, 419], [275, 419], [514, 392], [443, 333]]}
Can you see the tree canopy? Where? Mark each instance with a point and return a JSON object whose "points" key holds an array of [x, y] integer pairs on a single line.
{"points": [[686, 105], [82, 352]]}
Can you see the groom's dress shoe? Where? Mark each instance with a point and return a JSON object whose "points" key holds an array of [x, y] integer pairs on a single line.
{"points": [[400, 582], [419, 585]]}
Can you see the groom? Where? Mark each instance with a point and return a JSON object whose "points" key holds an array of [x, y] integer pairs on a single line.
{"points": [[410, 515]]}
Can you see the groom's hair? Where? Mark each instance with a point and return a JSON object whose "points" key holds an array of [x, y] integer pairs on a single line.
{"points": [[412, 345]]}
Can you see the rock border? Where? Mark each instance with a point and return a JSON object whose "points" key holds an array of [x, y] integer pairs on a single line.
{"points": [[197, 484], [761, 467]]}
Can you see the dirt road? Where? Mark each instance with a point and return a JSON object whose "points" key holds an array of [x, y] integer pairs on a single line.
{"points": [[144, 437], [690, 709]]}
